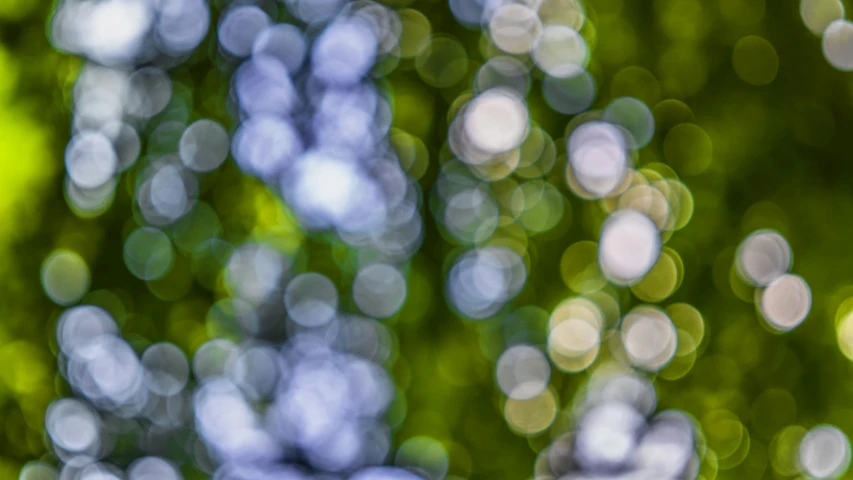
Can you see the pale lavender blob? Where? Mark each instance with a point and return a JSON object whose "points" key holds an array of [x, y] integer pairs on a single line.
{"points": [[283, 42], [314, 11], [384, 473], [347, 128], [263, 85], [240, 27], [264, 145], [344, 53], [327, 189], [181, 25]]}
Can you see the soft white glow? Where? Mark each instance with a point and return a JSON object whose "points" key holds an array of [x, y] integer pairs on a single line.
{"points": [[481, 281], [598, 157], [379, 290], [561, 51], [283, 42], [239, 28], [264, 145], [263, 86], [72, 425], [824, 452], [90, 159], [629, 247], [344, 52], [763, 257], [496, 121], [786, 302], [607, 437], [523, 372], [649, 338], [838, 44], [515, 28], [152, 468], [204, 146], [114, 31], [327, 189], [181, 25]]}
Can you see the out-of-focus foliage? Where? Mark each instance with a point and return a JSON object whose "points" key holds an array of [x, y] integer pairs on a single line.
{"points": [[736, 112]]}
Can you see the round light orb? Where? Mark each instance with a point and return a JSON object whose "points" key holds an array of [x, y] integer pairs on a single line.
{"points": [[523, 372], [598, 159], [824, 452], [496, 121], [786, 302], [630, 245], [763, 257]]}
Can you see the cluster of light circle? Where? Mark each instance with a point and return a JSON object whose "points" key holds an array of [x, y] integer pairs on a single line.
{"points": [[763, 260], [825, 18], [118, 392], [617, 433], [497, 148], [313, 127]]}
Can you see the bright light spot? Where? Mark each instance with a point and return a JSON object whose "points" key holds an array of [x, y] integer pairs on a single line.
{"points": [[254, 272], [607, 437], [824, 452], [379, 290], [763, 257], [152, 468], [786, 302], [574, 337], [263, 86], [90, 159], [283, 42], [523, 372], [384, 473], [327, 189], [181, 25], [239, 28], [598, 157], [204, 146], [515, 28], [629, 247], [481, 281], [344, 53], [111, 32], [573, 344], [264, 145], [496, 121], [561, 52], [167, 194], [649, 338], [838, 45], [72, 425]]}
